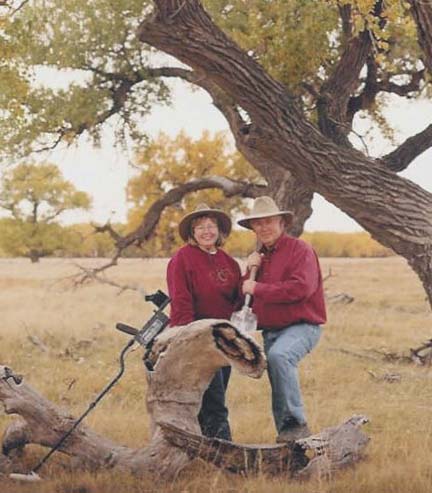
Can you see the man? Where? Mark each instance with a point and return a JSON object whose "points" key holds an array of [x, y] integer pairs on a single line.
{"points": [[288, 300]]}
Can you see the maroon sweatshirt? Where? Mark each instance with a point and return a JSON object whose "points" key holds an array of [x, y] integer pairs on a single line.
{"points": [[202, 285], [289, 285]]}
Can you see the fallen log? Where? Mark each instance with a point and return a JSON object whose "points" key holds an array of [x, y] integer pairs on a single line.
{"points": [[183, 360], [321, 454]]}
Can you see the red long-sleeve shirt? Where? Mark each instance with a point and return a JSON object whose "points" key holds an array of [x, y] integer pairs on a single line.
{"points": [[289, 285], [202, 285]]}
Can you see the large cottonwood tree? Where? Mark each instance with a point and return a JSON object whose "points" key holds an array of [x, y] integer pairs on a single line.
{"points": [[278, 134], [290, 92]]}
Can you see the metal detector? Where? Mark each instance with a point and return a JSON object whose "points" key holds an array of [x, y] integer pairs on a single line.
{"points": [[145, 337]]}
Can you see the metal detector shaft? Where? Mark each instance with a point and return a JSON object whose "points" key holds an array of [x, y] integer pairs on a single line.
{"points": [[89, 409], [144, 337]]}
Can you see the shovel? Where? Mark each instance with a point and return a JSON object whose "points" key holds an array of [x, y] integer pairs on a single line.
{"points": [[245, 320]]}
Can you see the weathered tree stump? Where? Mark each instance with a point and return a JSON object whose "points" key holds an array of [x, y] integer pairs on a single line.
{"points": [[184, 360]]}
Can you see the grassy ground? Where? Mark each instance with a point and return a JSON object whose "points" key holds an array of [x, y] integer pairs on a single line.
{"points": [[78, 349]]}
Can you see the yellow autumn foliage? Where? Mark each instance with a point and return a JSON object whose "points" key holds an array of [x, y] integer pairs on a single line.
{"points": [[167, 163], [325, 243]]}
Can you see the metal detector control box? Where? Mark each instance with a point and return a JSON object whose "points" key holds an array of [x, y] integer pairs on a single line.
{"points": [[153, 326]]}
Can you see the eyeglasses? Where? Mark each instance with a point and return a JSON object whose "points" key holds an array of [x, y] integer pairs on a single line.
{"points": [[201, 229]]}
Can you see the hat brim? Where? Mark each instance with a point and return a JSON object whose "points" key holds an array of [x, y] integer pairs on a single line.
{"points": [[223, 220], [246, 224]]}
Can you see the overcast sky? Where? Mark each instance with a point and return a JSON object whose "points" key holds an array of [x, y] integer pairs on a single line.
{"points": [[104, 172]]}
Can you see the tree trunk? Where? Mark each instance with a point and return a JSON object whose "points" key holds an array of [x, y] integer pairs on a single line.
{"points": [[34, 256], [184, 361], [290, 194], [395, 211]]}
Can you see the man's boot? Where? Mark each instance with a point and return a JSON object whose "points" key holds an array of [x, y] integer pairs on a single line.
{"points": [[293, 431]]}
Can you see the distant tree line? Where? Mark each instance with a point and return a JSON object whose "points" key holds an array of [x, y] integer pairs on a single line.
{"points": [[80, 240], [34, 197]]}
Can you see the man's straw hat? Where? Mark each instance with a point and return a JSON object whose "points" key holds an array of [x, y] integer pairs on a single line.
{"points": [[264, 207], [223, 220]]}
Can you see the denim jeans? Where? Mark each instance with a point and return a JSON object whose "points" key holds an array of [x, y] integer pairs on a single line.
{"points": [[284, 349], [213, 415]]}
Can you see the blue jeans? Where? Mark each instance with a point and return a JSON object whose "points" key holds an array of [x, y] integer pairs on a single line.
{"points": [[284, 349]]}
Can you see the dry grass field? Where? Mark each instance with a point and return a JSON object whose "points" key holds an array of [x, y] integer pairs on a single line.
{"points": [[78, 354]]}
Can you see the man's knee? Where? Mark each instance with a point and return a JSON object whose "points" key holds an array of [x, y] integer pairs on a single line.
{"points": [[279, 358], [289, 355]]}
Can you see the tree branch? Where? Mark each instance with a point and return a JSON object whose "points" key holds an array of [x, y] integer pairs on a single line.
{"points": [[401, 157], [386, 85], [336, 106], [421, 11], [335, 93], [87, 275], [55, 214], [373, 86], [368, 95], [345, 16], [119, 96], [146, 228], [8, 4], [229, 187], [298, 193], [93, 275], [122, 84]]}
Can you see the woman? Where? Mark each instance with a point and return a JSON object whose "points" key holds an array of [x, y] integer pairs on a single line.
{"points": [[203, 282]]}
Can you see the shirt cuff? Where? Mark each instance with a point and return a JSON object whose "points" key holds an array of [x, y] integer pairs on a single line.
{"points": [[260, 289]]}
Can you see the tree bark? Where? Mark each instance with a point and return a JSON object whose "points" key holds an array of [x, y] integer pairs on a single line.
{"points": [[184, 360], [290, 194], [333, 448], [395, 211], [422, 14]]}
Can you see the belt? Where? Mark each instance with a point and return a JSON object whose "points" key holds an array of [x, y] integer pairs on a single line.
{"points": [[270, 329]]}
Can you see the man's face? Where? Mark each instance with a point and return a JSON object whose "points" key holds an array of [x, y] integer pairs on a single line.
{"points": [[268, 229]]}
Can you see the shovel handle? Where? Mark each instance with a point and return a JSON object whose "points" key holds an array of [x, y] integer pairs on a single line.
{"points": [[252, 276]]}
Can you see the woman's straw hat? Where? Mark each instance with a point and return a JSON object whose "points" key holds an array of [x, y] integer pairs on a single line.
{"points": [[223, 220]]}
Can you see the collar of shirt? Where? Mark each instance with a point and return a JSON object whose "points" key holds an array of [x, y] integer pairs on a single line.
{"points": [[205, 252], [279, 242]]}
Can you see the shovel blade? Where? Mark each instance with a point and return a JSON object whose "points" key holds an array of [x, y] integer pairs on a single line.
{"points": [[245, 320]]}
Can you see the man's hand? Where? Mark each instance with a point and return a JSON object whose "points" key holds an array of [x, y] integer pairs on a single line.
{"points": [[254, 260], [249, 287]]}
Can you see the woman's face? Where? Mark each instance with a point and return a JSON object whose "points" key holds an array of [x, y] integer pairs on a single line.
{"points": [[205, 232]]}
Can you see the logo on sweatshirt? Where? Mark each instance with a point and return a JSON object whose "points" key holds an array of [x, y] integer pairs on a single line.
{"points": [[221, 276]]}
